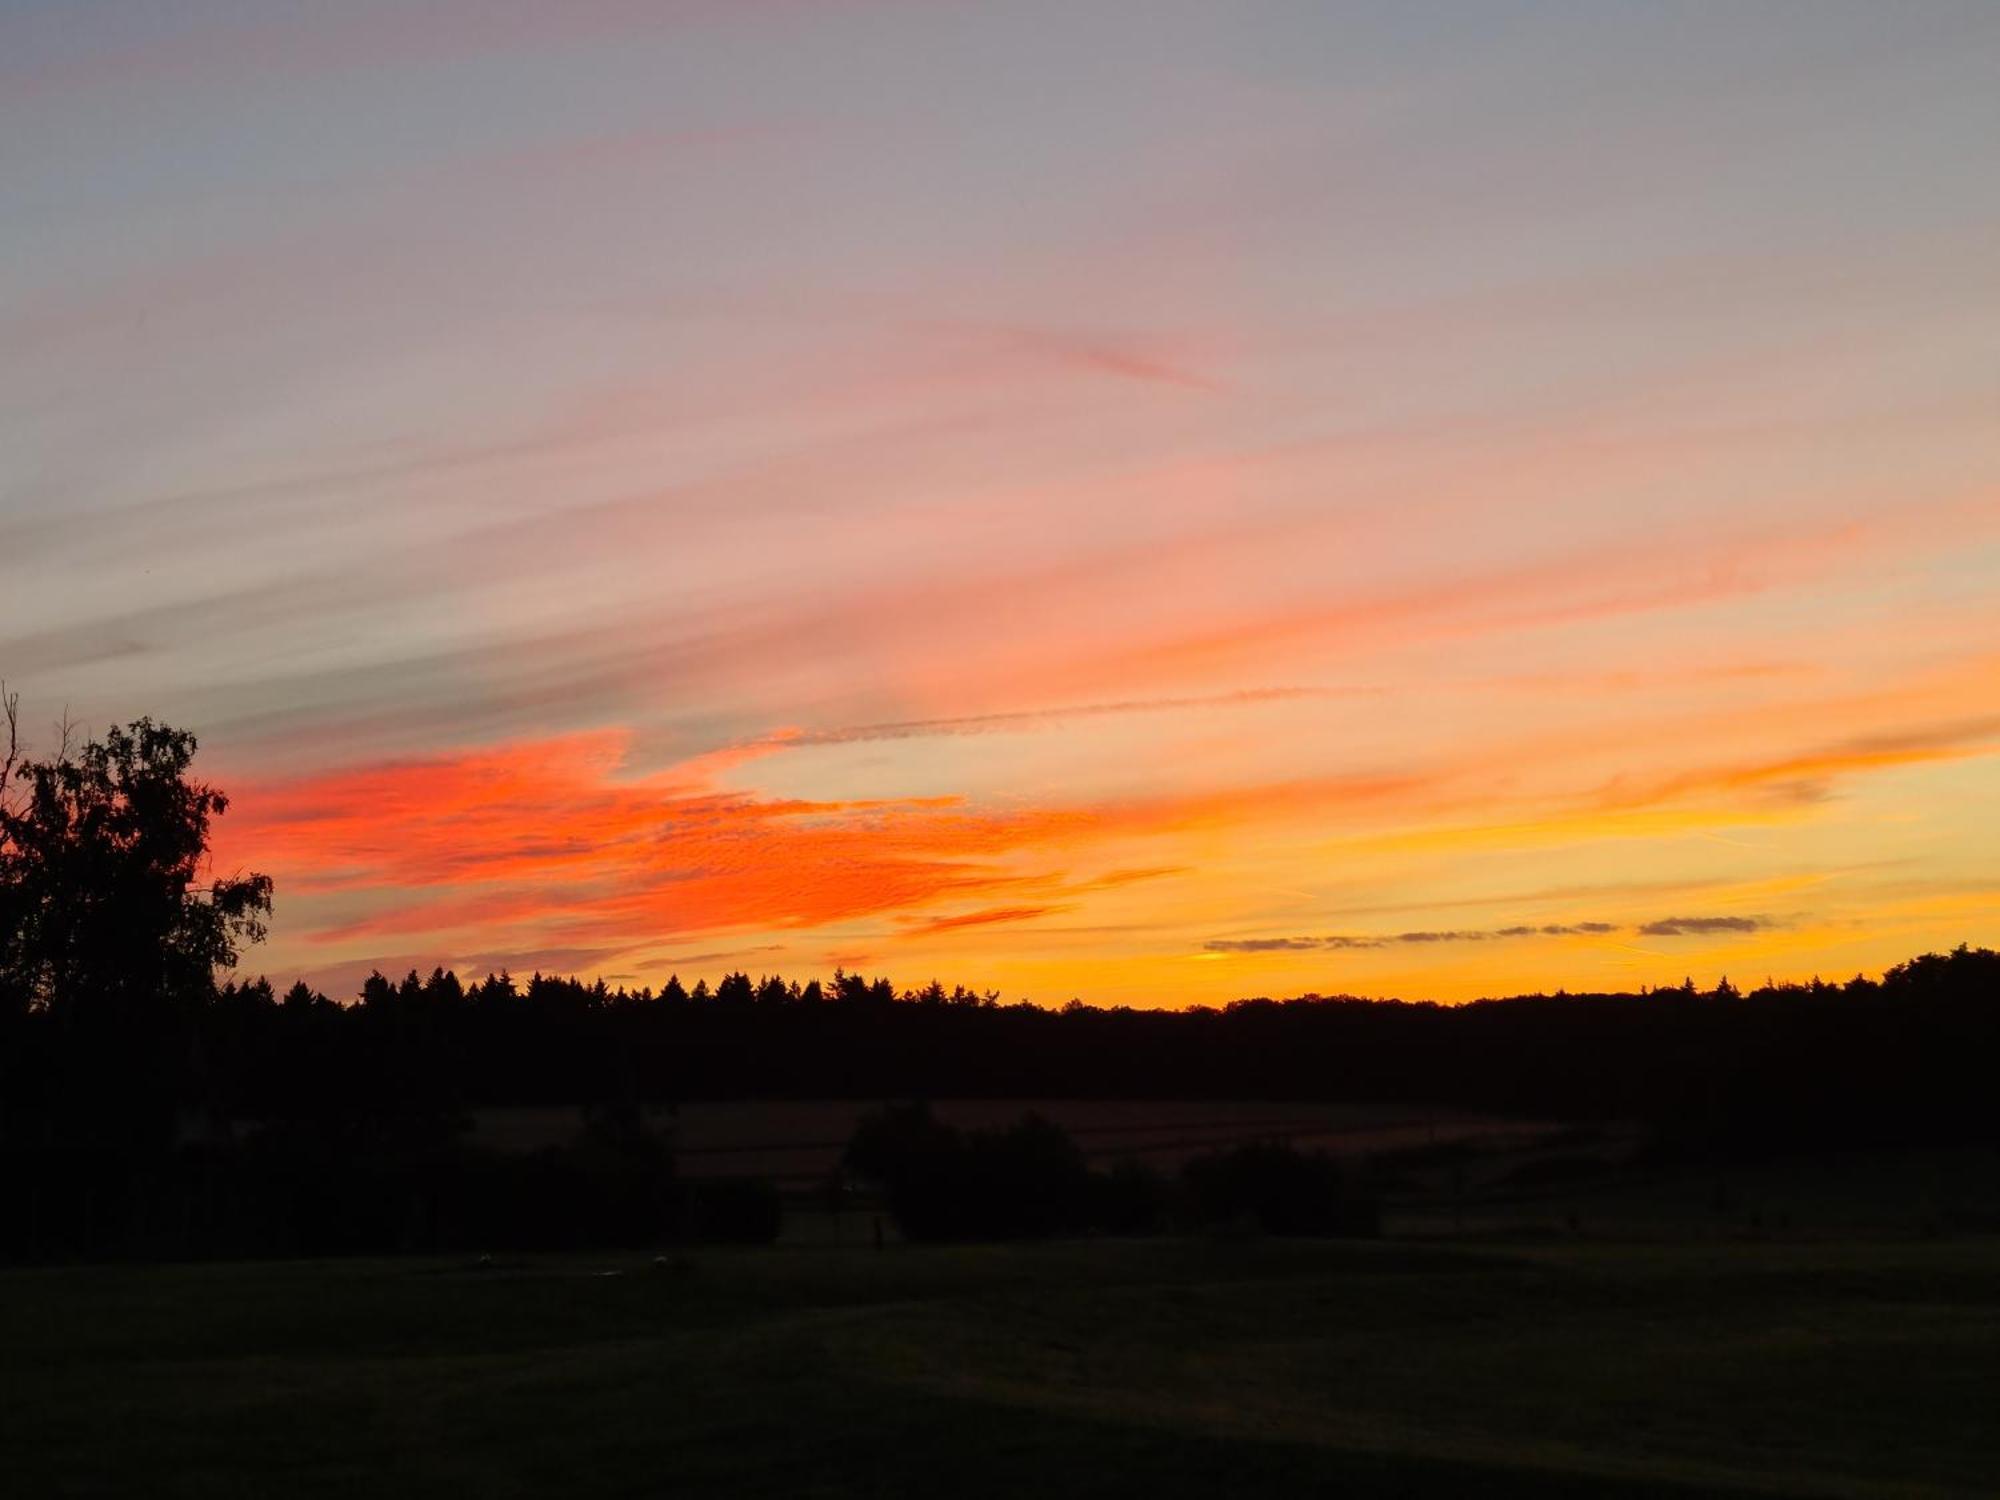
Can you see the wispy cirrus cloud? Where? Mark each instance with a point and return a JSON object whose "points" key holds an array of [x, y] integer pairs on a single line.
{"points": [[1663, 927], [1703, 926], [1336, 943], [1810, 775], [1023, 721], [305, 43], [1121, 357], [990, 917], [1606, 582], [578, 666]]}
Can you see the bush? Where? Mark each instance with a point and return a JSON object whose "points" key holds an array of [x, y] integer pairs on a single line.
{"points": [[1556, 1171], [1279, 1190], [1026, 1181], [729, 1211], [1130, 1199]]}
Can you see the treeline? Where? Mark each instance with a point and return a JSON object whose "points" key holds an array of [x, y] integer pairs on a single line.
{"points": [[318, 1187], [1901, 1059], [1898, 1047]]}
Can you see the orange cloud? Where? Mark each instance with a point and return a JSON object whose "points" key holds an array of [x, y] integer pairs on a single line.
{"points": [[553, 834]]}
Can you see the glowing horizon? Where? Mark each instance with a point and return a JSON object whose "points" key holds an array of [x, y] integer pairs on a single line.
{"points": [[1131, 502]]}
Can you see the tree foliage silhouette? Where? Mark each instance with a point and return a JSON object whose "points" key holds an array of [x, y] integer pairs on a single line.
{"points": [[105, 914], [1024, 1181]]}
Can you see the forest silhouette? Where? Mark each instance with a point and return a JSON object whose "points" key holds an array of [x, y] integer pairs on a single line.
{"points": [[147, 1108]]}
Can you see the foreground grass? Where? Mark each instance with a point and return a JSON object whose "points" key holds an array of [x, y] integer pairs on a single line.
{"points": [[1169, 1367]]}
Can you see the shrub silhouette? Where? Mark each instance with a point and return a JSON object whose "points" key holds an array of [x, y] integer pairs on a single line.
{"points": [[304, 1189], [1130, 1199], [1029, 1180], [1280, 1190], [728, 1211], [1025, 1181]]}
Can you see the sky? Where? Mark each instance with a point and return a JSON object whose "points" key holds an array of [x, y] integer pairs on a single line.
{"points": [[1153, 503]]}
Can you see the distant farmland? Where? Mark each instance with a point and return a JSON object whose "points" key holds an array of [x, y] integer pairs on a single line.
{"points": [[798, 1142]]}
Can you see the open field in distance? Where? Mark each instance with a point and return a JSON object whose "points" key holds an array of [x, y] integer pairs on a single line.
{"points": [[798, 1142]]}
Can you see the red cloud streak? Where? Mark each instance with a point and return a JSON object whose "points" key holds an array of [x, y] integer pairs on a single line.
{"points": [[549, 834]]}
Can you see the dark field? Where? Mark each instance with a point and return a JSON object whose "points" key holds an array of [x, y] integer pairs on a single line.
{"points": [[1710, 1362]]}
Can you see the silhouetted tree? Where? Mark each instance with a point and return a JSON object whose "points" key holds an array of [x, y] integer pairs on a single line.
{"points": [[104, 910], [303, 997], [112, 929]]}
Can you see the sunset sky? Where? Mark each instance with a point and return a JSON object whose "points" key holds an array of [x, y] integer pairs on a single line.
{"points": [[1153, 502]]}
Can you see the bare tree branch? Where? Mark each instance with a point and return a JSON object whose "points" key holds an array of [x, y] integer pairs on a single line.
{"points": [[10, 709]]}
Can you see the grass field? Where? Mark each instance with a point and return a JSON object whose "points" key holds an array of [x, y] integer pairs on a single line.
{"points": [[1165, 1367]]}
